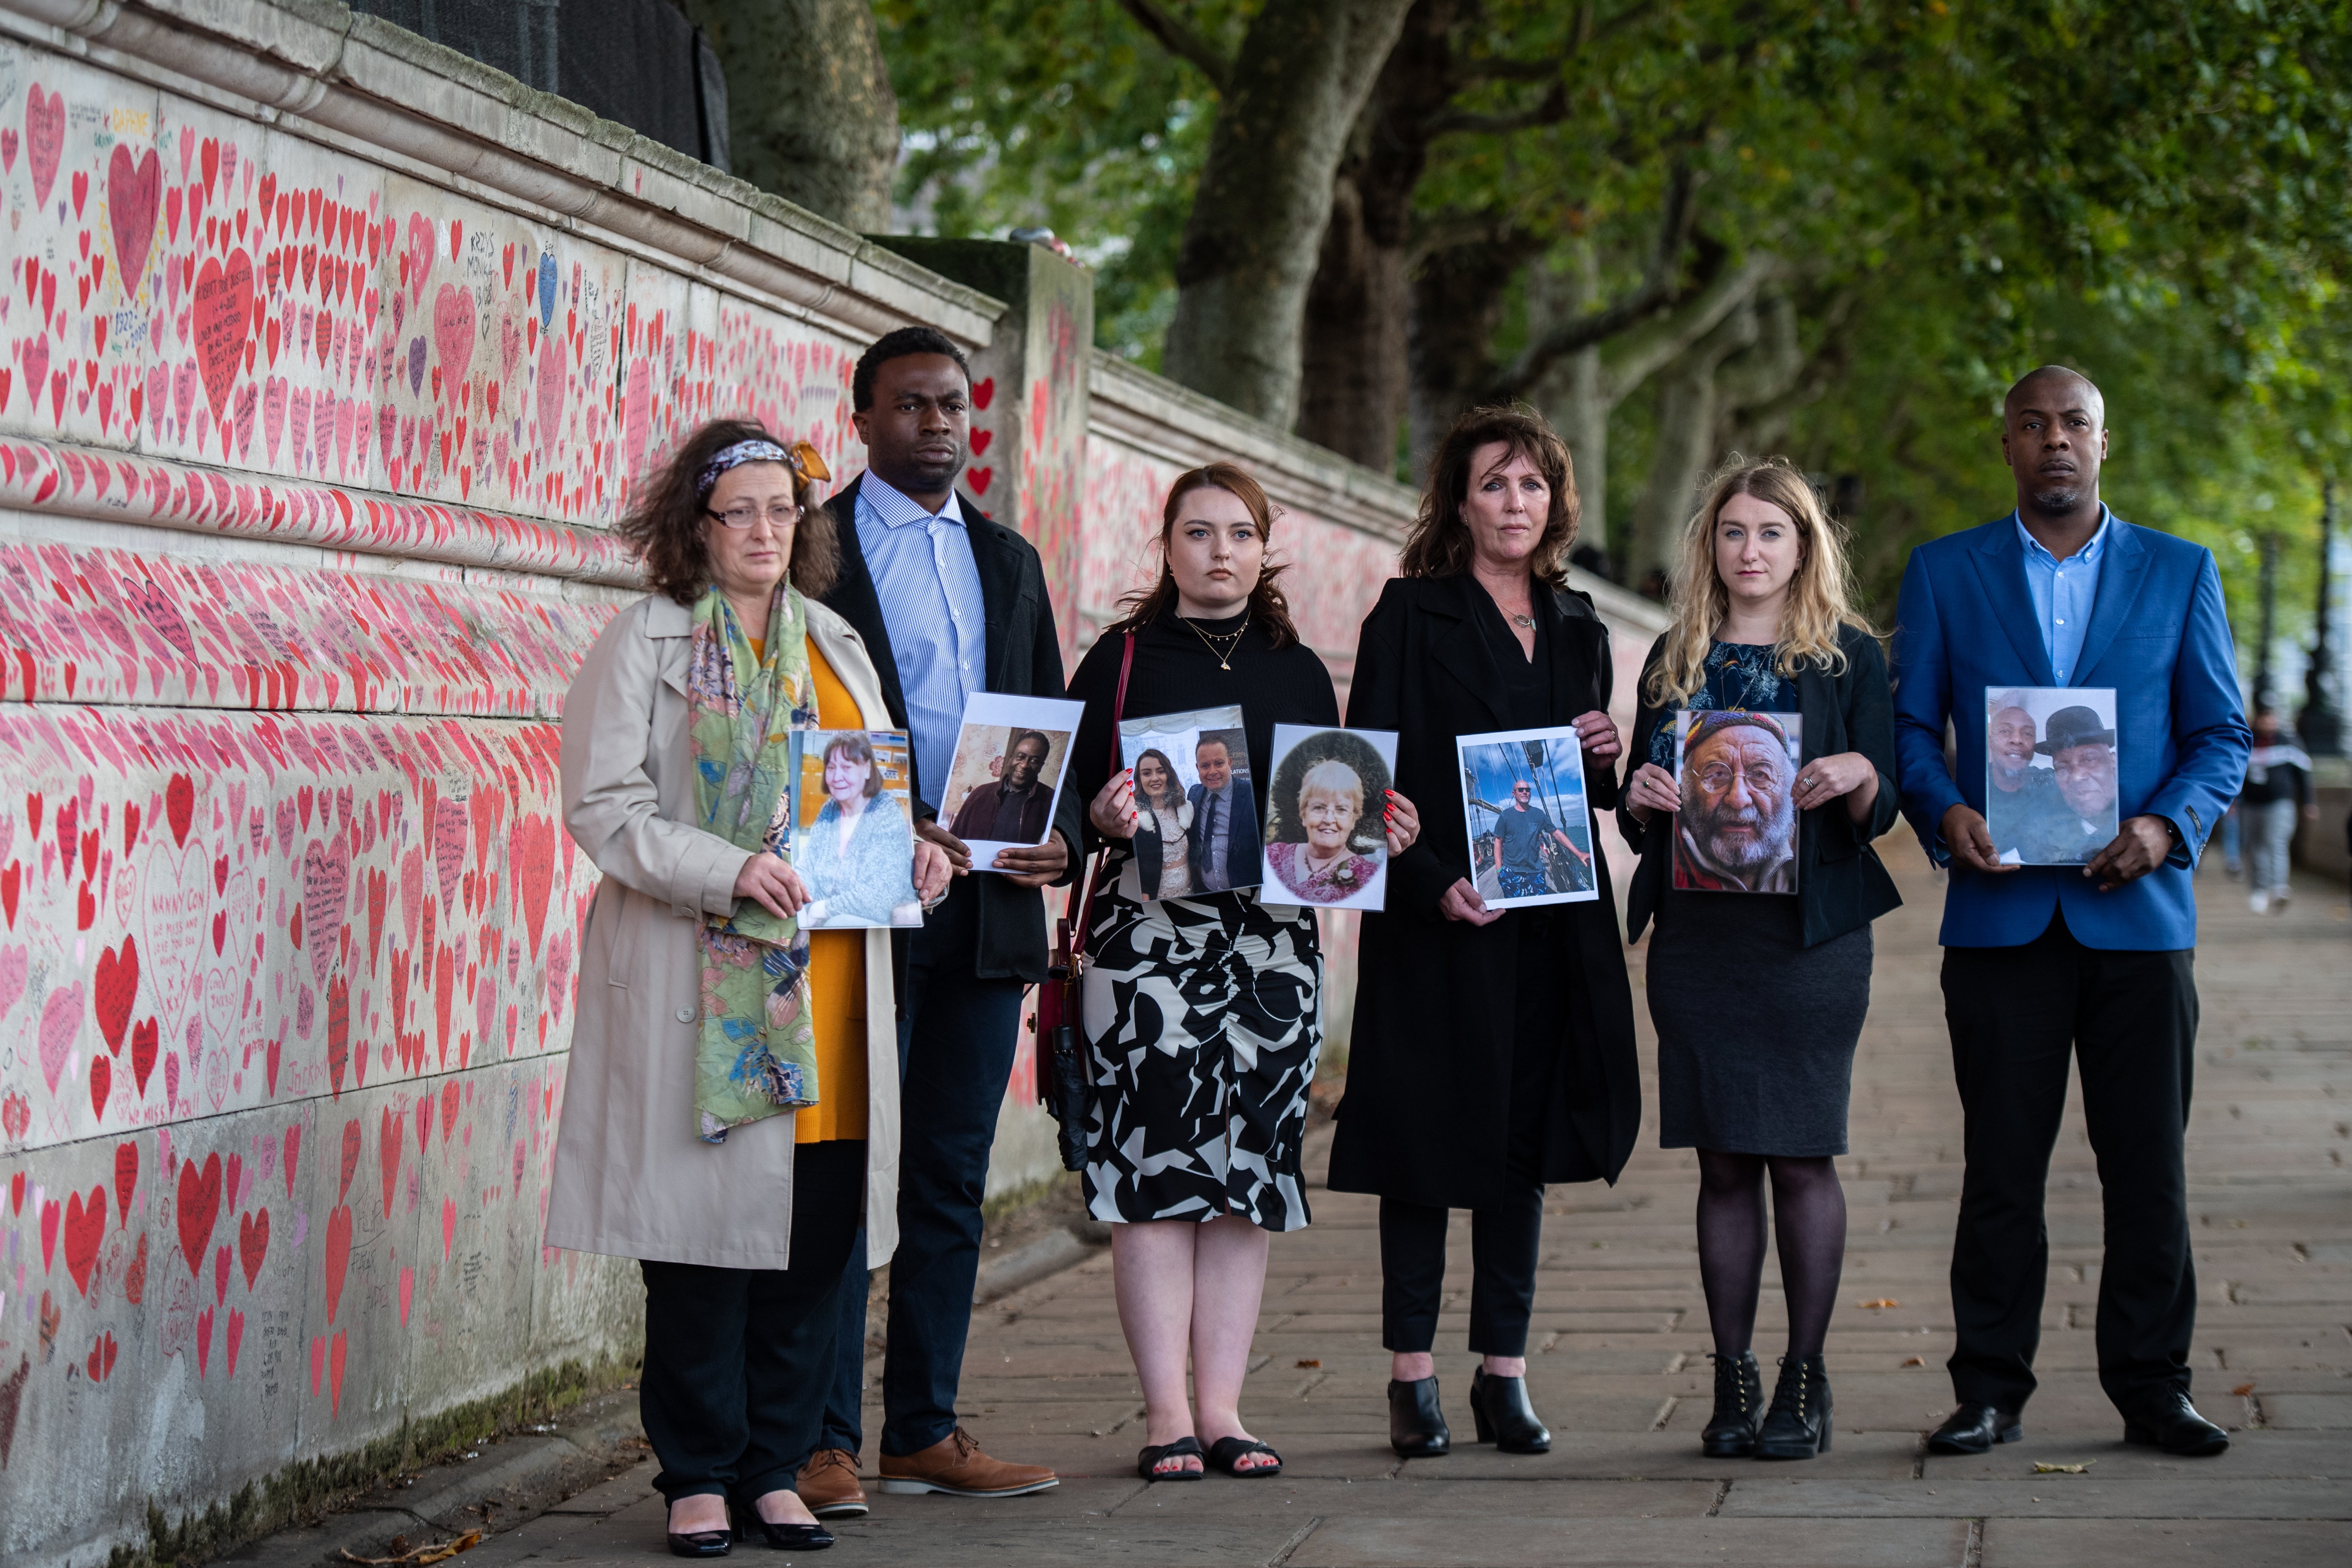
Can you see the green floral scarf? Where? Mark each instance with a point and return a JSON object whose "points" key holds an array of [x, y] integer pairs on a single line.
{"points": [[756, 1054]]}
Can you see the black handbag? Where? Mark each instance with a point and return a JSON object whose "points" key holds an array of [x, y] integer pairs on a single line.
{"points": [[1063, 1083]]}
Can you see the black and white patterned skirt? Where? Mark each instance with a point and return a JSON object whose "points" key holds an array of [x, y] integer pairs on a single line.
{"points": [[1203, 1021]]}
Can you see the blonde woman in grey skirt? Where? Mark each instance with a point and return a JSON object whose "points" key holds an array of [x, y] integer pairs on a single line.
{"points": [[1757, 866]]}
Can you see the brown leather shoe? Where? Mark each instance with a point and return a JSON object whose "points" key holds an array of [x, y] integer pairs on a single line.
{"points": [[954, 1465], [828, 1484]]}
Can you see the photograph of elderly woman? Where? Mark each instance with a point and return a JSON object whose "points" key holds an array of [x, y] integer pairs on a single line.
{"points": [[1195, 805], [2050, 773], [853, 833], [1530, 829], [1736, 830], [1006, 774], [1324, 841]]}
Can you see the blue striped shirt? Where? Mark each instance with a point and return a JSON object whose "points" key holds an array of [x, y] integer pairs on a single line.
{"points": [[2063, 594], [928, 584]]}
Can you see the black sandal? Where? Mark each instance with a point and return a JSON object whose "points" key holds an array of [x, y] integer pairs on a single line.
{"points": [[1226, 1453], [1147, 1460]]}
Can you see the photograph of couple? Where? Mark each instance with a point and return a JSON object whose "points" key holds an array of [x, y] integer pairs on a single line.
{"points": [[2050, 774], [1196, 819]]}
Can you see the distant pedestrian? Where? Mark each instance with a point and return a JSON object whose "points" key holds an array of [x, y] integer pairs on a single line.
{"points": [[1755, 1076], [2044, 964], [1494, 1049], [2278, 791]]}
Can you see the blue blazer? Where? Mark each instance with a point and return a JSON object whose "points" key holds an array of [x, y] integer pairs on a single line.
{"points": [[1243, 860], [2159, 635]]}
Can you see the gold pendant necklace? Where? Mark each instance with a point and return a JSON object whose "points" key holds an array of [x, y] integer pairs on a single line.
{"points": [[1231, 639]]}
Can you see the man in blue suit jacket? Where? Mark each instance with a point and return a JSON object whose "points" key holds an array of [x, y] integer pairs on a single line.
{"points": [[1224, 820], [2043, 960]]}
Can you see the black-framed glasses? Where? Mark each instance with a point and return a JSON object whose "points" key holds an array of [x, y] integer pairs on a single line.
{"points": [[782, 516]]}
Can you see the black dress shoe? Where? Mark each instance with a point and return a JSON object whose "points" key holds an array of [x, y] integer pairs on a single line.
{"points": [[2170, 1423], [1499, 1408], [702, 1543], [1974, 1429], [1797, 1425], [1417, 1427], [1730, 1432], [793, 1537]]}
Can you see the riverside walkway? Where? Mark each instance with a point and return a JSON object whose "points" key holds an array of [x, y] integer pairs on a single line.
{"points": [[1618, 1367]]}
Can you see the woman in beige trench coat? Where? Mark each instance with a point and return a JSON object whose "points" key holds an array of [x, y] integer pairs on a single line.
{"points": [[743, 1236]]}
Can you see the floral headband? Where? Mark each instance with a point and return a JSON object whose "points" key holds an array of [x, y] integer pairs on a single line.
{"points": [[801, 457]]}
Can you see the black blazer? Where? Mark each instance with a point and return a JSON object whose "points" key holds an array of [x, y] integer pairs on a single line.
{"points": [[1427, 1115], [1841, 883], [1024, 659], [1243, 858]]}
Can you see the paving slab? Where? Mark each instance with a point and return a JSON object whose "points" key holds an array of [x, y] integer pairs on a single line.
{"points": [[1619, 1363]]}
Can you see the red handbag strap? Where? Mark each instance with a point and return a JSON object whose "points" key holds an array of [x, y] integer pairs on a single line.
{"points": [[1101, 860]]}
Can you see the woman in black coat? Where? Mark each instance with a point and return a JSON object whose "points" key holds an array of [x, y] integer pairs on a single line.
{"points": [[1755, 861], [1493, 1050]]}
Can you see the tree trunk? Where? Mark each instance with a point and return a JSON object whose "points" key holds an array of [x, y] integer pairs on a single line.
{"points": [[1689, 408], [1458, 302], [1351, 395], [810, 112], [1576, 395], [1256, 230]]}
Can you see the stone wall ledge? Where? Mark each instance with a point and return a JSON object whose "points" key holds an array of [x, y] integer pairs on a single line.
{"points": [[317, 61]]}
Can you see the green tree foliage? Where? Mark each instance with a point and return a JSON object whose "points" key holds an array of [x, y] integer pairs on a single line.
{"points": [[2153, 190]]}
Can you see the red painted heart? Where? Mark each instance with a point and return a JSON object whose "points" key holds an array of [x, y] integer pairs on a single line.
{"points": [[133, 188], [199, 1209], [85, 1228], [224, 320], [116, 988]]}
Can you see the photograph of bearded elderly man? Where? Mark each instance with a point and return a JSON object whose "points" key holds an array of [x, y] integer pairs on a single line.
{"points": [[1737, 831], [2050, 774]]}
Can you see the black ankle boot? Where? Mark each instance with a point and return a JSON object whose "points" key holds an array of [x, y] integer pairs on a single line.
{"points": [[1739, 1408], [1417, 1427], [1797, 1425], [1500, 1407]]}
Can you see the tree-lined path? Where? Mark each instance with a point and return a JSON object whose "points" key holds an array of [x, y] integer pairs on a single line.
{"points": [[1622, 1377]]}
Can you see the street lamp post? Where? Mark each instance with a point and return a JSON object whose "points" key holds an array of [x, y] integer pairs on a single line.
{"points": [[2270, 621], [2322, 721]]}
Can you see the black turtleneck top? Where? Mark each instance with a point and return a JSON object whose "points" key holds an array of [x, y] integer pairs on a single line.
{"points": [[1175, 672]]}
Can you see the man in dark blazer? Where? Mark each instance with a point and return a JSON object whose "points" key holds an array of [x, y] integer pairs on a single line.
{"points": [[2045, 961], [950, 604], [1224, 820]]}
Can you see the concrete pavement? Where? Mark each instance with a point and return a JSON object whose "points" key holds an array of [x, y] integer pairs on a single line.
{"points": [[1619, 1368]]}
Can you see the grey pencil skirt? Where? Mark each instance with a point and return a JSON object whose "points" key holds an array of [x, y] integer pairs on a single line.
{"points": [[1756, 1030]]}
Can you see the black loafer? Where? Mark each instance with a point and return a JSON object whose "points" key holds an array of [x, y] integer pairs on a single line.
{"points": [[793, 1537], [1417, 1429], [1499, 1408], [1974, 1429], [2170, 1423], [702, 1543]]}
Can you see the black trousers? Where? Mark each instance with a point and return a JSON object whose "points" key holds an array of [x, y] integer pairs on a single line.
{"points": [[738, 1360], [2016, 1014], [1507, 1239]]}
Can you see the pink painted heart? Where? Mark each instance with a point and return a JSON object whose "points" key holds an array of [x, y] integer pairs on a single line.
{"points": [[224, 307], [61, 1022], [273, 415], [420, 255], [133, 189], [453, 332], [15, 965], [326, 878], [184, 381], [45, 139], [550, 390]]}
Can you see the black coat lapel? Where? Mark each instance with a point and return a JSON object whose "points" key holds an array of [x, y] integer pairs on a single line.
{"points": [[853, 598], [999, 564], [1571, 638], [1462, 653]]}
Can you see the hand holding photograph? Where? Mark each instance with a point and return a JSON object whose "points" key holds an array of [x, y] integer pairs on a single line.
{"points": [[1326, 831], [1196, 830], [2050, 774], [1530, 827], [1737, 829], [853, 833], [1011, 755]]}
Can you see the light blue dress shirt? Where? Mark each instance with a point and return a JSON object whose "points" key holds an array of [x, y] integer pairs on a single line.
{"points": [[928, 584], [2063, 594]]}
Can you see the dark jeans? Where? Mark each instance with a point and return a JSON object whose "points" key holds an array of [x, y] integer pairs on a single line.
{"points": [[1505, 1240], [2016, 1014], [956, 1038], [733, 1389]]}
